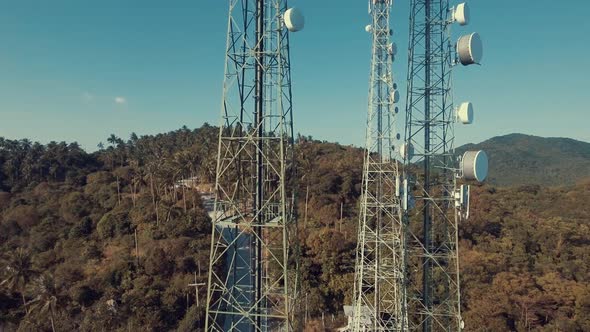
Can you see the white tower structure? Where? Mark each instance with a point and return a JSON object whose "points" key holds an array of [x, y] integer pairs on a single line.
{"points": [[435, 203], [379, 293], [251, 284]]}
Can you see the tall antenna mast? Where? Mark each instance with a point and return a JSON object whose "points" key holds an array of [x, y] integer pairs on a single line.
{"points": [[251, 286], [430, 166], [379, 293]]}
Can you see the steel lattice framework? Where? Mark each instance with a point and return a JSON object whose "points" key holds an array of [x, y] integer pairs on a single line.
{"points": [[433, 284], [379, 293], [251, 284]]}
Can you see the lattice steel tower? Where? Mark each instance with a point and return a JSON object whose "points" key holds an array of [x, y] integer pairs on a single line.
{"points": [[251, 283], [379, 295], [430, 166]]}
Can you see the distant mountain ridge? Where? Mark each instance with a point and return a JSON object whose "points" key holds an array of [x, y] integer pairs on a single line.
{"points": [[519, 159]]}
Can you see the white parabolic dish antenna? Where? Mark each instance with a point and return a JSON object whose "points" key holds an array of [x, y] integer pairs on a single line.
{"points": [[294, 20], [475, 165], [465, 113], [407, 151], [470, 49], [462, 14], [395, 96], [368, 28], [392, 49]]}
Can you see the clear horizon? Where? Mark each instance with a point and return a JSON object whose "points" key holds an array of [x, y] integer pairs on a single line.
{"points": [[80, 72]]}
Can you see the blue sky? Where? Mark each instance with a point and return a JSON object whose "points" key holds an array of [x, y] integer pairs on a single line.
{"points": [[81, 70]]}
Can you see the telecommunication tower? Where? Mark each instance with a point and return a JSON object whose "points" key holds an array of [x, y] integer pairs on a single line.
{"points": [[434, 202], [379, 293], [251, 285]]}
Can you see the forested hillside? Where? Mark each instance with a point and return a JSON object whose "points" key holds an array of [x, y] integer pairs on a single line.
{"points": [[108, 241], [518, 159], [104, 241]]}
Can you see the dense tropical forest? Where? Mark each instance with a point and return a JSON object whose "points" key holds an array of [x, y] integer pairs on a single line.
{"points": [[108, 240]]}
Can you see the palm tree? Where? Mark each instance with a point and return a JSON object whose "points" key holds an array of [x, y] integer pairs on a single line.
{"points": [[46, 297], [113, 140], [18, 273]]}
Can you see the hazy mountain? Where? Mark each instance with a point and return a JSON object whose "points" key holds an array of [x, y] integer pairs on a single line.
{"points": [[519, 159]]}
